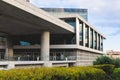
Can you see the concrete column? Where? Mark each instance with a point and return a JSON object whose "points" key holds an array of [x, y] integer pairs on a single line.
{"points": [[45, 47], [8, 48], [100, 42], [83, 34], [97, 41], [77, 31], [93, 38], [10, 65], [89, 37]]}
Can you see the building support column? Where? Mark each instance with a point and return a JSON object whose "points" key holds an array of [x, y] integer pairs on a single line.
{"points": [[93, 39], [89, 39], [8, 48], [45, 48], [97, 41], [84, 34], [100, 43], [77, 31]]}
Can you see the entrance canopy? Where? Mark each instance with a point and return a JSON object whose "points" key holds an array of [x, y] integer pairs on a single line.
{"points": [[18, 17]]}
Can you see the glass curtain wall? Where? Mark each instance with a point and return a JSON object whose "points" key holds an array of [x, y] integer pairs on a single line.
{"points": [[71, 22], [101, 43], [2, 41], [81, 34], [98, 42], [2, 51], [60, 11], [91, 38]]}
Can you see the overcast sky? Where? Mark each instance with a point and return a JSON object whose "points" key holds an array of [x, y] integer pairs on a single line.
{"points": [[103, 14]]}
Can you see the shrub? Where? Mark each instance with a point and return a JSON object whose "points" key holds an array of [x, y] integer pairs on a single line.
{"points": [[79, 73], [107, 60], [108, 68], [73, 73], [116, 74], [103, 60], [116, 62]]}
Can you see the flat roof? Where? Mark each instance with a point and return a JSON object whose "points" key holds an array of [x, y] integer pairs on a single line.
{"points": [[18, 17]]}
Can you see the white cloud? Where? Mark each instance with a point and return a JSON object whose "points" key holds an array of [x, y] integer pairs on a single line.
{"points": [[93, 5]]}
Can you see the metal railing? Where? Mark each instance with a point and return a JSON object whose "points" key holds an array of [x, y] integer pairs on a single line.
{"points": [[38, 58], [59, 58], [35, 56], [22, 58], [27, 58]]}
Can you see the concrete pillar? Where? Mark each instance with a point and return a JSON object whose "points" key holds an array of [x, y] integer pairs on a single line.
{"points": [[89, 37], [8, 48], [93, 38], [77, 31], [77, 58], [100, 43], [45, 49], [83, 34], [97, 41], [10, 65]]}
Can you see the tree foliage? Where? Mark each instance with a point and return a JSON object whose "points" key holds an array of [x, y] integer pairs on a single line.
{"points": [[107, 60], [103, 60]]}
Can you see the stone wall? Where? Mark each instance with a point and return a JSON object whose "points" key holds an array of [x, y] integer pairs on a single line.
{"points": [[85, 58]]}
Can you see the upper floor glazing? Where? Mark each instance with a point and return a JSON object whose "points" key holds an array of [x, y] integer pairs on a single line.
{"points": [[59, 11]]}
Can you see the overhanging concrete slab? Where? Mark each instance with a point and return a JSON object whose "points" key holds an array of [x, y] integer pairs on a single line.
{"points": [[18, 17]]}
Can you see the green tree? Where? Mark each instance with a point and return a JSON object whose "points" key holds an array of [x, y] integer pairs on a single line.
{"points": [[107, 60], [103, 60], [116, 62]]}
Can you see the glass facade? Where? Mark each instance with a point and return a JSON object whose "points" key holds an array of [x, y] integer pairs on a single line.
{"points": [[24, 43], [91, 38], [98, 42], [62, 39], [59, 11], [2, 41], [81, 34], [101, 43], [26, 40], [72, 22]]}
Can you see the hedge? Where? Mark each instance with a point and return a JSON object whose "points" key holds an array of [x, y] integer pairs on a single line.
{"points": [[108, 68], [73, 73], [116, 74]]}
